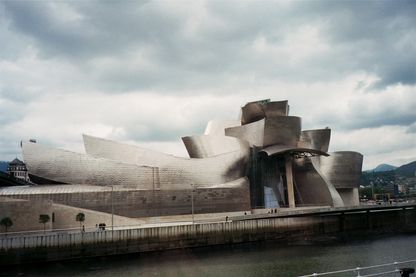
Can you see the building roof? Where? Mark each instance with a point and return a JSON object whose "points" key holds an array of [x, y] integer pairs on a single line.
{"points": [[16, 162]]}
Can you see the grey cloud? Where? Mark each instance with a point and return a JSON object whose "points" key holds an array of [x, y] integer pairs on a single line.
{"points": [[9, 147], [10, 112], [17, 94], [376, 120], [36, 19], [156, 133], [384, 31], [13, 45], [368, 114], [368, 36], [101, 28], [412, 128]]}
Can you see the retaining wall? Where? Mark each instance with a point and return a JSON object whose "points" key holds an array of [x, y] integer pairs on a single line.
{"points": [[304, 226]]}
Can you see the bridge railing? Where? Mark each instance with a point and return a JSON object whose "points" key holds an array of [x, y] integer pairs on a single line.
{"points": [[388, 269]]}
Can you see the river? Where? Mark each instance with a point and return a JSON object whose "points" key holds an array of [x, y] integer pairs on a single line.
{"points": [[252, 259]]}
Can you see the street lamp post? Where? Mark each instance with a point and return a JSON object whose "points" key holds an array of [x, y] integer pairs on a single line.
{"points": [[112, 210], [192, 204]]}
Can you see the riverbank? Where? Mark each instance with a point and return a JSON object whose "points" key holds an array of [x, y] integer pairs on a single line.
{"points": [[269, 258], [291, 226]]}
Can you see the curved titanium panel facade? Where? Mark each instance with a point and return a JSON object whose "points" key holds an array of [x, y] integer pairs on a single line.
{"points": [[342, 169], [281, 149], [214, 170], [251, 112], [312, 187], [208, 146], [283, 130], [255, 111], [253, 133], [266, 145], [350, 197], [276, 108], [217, 127], [315, 139], [69, 167], [108, 149]]}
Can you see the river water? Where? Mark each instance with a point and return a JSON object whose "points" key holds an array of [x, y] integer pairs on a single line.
{"points": [[253, 259]]}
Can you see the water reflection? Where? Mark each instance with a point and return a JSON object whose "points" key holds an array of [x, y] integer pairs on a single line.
{"points": [[257, 259]]}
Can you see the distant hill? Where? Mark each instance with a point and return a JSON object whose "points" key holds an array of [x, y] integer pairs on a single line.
{"points": [[408, 170], [385, 175], [3, 166], [384, 167]]}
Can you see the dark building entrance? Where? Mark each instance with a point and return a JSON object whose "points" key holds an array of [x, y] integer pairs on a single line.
{"points": [[268, 182]]}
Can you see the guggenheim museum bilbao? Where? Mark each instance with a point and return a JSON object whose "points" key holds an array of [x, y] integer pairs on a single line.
{"points": [[262, 160]]}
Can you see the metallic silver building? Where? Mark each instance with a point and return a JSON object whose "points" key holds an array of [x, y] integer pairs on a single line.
{"points": [[264, 159]]}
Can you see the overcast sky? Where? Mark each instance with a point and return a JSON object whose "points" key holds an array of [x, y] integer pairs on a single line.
{"points": [[149, 72]]}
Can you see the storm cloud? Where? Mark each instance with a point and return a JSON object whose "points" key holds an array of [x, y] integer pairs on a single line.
{"points": [[148, 72]]}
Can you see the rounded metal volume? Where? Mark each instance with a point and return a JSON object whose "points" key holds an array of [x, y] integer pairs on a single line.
{"points": [[276, 108], [218, 169], [255, 111], [317, 139], [251, 112], [121, 165], [283, 130], [253, 133], [313, 188], [205, 146], [343, 168]]}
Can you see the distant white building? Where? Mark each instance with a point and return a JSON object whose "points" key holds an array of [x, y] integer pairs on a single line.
{"points": [[18, 170]]}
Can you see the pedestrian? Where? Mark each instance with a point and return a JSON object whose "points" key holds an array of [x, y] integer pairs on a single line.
{"points": [[83, 228]]}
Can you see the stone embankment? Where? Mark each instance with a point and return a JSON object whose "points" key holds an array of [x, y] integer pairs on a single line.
{"points": [[284, 226]]}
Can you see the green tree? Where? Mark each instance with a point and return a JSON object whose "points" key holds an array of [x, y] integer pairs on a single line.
{"points": [[6, 222], [44, 218], [80, 218]]}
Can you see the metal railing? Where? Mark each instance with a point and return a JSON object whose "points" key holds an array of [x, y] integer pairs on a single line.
{"points": [[394, 269]]}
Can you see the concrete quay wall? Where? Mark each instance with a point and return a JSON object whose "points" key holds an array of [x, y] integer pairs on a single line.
{"points": [[282, 228]]}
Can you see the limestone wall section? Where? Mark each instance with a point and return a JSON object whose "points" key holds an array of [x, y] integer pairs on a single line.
{"points": [[65, 218], [25, 214]]}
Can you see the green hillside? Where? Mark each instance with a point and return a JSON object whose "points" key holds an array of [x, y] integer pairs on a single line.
{"points": [[408, 170]]}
